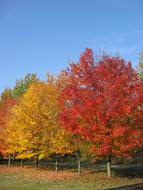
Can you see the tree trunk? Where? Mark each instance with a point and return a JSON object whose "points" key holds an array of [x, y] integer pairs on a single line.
{"points": [[109, 166], [13, 156], [9, 160], [56, 164], [78, 163], [2, 159], [37, 161], [22, 164]]}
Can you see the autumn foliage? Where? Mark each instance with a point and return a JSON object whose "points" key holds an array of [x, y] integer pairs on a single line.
{"points": [[103, 104], [5, 108], [100, 102], [33, 128]]}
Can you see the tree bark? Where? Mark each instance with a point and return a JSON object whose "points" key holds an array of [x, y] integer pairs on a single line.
{"points": [[2, 159], [9, 160], [109, 166], [56, 164], [78, 163], [22, 163], [13, 156], [37, 162]]}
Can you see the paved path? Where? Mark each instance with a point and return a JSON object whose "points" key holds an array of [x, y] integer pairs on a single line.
{"points": [[129, 187]]}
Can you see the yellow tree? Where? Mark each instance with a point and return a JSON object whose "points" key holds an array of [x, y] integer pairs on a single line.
{"points": [[34, 128], [16, 132], [28, 124], [61, 141]]}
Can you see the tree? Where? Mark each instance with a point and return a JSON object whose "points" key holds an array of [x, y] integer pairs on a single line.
{"points": [[140, 73], [34, 128], [6, 104], [23, 84], [6, 94], [61, 141], [140, 65], [30, 123], [103, 104]]}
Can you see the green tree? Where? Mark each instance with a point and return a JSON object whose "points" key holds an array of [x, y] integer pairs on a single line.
{"points": [[23, 84]]}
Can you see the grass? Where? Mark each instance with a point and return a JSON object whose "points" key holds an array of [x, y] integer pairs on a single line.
{"points": [[15, 178]]}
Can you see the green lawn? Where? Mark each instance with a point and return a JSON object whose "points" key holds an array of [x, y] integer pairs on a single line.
{"points": [[15, 178]]}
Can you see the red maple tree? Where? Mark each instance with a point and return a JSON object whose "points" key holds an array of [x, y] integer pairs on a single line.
{"points": [[5, 107], [103, 103]]}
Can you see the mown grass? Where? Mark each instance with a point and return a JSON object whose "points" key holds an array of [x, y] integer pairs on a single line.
{"points": [[15, 178]]}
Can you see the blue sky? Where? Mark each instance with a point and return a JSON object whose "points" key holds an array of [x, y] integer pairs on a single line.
{"points": [[45, 35]]}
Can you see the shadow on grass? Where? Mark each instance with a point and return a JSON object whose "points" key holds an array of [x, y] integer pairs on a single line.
{"points": [[129, 172], [128, 187]]}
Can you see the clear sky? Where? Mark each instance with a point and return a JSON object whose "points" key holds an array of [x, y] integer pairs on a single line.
{"points": [[45, 35]]}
